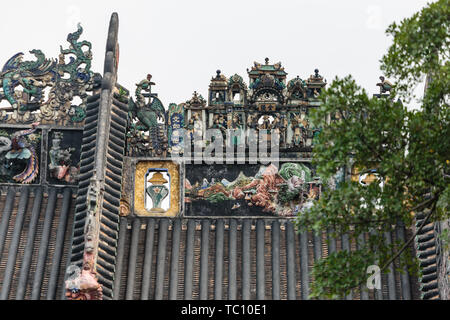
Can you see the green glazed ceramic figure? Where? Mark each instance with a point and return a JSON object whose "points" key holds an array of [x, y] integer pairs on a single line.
{"points": [[157, 191]]}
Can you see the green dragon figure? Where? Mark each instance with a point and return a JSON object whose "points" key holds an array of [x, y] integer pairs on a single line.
{"points": [[31, 75]]}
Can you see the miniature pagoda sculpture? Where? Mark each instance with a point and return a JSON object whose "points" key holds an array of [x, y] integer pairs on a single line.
{"points": [[218, 90], [157, 191], [268, 105], [315, 83], [237, 90]]}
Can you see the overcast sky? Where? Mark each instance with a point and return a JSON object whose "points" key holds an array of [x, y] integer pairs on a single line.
{"points": [[183, 43]]}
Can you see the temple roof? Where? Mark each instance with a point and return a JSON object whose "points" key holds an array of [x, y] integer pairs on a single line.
{"points": [[46, 227]]}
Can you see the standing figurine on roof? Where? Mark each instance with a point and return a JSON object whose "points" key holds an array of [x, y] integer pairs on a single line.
{"points": [[145, 113], [385, 85]]}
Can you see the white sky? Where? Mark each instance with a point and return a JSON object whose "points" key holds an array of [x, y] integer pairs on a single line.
{"points": [[183, 43]]}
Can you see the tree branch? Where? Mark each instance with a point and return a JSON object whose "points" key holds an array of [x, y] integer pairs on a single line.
{"points": [[407, 243], [424, 222]]}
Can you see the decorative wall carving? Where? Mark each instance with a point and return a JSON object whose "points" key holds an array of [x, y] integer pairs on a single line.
{"points": [[250, 190], [20, 155], [64, 156]]}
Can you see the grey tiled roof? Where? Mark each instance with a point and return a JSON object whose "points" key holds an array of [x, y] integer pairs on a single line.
{"points": [[35, 232], [177, 258]]}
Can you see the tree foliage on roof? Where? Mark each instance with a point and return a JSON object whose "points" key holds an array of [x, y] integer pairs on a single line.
{"points": [[409, 149]]}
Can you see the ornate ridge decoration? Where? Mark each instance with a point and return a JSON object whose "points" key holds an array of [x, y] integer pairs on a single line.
{"points": [[196, 102], [236, 80], [276, 68], [269, 104], [24, 84], [296, 88]]}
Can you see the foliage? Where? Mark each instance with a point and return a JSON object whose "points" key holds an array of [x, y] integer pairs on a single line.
{"points": [[217, 197], [290, 169], [445, 239], [285, 195], [410, 150], [123, 95]]}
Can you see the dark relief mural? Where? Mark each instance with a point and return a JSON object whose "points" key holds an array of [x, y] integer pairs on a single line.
{"points": [[250, 189]]}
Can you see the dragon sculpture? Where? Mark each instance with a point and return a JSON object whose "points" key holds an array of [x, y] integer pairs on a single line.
{"points": [[31, 75], [21, 147], [23, 84], [145, 114]]}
